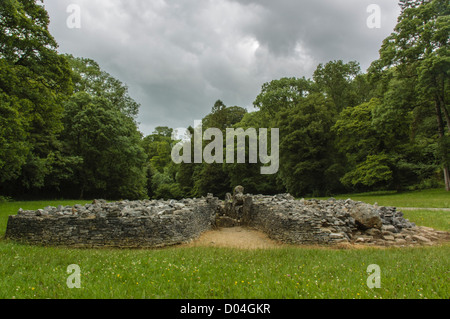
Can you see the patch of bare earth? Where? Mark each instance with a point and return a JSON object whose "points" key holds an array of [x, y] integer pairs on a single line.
{"points": [[247, 238], [235, 237]]}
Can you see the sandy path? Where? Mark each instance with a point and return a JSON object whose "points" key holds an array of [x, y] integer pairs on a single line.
{"points": [[236, 237]]}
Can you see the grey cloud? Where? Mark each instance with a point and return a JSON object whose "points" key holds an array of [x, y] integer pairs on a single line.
{"points": [[327, 30], [179, 57]]}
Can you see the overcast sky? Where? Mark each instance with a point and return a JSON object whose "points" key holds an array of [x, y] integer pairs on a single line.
{"points": [[179, 56]]}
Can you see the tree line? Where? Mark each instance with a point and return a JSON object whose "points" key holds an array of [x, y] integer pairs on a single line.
{"points": [[68, 128]]}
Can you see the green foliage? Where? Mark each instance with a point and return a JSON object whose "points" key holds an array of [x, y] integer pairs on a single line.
{"points": [[249, 175], [376, 140], [14, 147], [68, 127], [213, 178], [306, 148], [169, 191], [4, 199], [24, 31], [34, 82], [162, 157], [223, 117], [336, 79], [356, 137], [162, 171], [108, 143], [374, 170], [88, 77], [282, 94], [419, 49], [52, 140]]}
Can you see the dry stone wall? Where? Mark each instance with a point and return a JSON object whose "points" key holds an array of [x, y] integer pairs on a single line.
{"points": [[158, 223], [326, 222], [120, 224]]}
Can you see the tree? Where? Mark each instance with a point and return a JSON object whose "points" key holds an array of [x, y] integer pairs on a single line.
{"points": [[249, 175], [34, 83], [160, 168], [113, 161], [14, 146], [163, 131], [24, 32], [90, 78], [363, 145], [376, 141], [26, 43], [282, 94], [223, 117], [101, 136], [212, 178], [306, 146], [375, 170], [419, 47], [336, 79]]}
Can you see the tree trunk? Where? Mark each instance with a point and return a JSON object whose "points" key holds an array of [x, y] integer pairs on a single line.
{"points": [[441, 131], [82, 192], [447, 117], [447, 179], [440, 100]]}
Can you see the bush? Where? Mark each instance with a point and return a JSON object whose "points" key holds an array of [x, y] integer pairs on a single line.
{"points": [[5, 199]]}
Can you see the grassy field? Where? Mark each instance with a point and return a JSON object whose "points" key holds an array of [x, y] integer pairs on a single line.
{"points": [[180, 272], [286, 273], [429, 198]]}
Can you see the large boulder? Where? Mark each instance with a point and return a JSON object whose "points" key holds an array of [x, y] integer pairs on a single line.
{"points": [[238, 195], [366, 216]]}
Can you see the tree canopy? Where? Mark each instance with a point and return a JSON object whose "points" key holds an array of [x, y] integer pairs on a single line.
{"points": [[68, 128]]}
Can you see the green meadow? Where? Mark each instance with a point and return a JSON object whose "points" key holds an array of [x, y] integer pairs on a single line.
{"points": [[225, 273], [429, 198]]}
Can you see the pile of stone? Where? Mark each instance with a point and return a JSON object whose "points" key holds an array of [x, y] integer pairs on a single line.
{"points": [[131, 224], [126, 209], [323, 221], [158, 223]]}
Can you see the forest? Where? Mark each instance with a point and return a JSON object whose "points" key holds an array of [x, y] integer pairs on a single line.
{"points": [[68, 129]]}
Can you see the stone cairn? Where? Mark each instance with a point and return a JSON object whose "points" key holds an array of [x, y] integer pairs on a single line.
{"points": [[331, 221], [158, 223]]}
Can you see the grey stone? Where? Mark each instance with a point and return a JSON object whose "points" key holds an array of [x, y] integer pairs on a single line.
{"points": [[388, 228], [226, 222], [159, 223], [365, 217], [373, 232], [400, 241], [421, 239]]}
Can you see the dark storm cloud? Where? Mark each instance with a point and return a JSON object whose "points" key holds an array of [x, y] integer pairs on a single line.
{"points": [[327, 30], [179, 57]]}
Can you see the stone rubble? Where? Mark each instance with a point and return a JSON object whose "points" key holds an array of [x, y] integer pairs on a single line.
{"points": [[125, 224], [159, 223], [324, 221]]}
